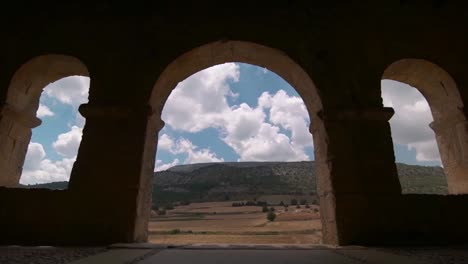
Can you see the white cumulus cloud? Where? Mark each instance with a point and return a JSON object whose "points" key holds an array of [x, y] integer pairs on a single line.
{"points": [[79, 120], [201, 156], [44, 111], [194, 154], [38, 169], [165, 142], [34, 156], [161, 166], [254, 139], [71, 90], [290, 113], [67, 144], [184, 146], [201, 102], [243, 122], [267, 145]]}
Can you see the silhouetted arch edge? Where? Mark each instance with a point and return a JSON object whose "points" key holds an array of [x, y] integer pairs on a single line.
{"points": [[18, 112], [450, 125]]}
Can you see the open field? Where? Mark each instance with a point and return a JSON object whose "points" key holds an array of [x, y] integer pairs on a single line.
{"points": [[220, 222]]}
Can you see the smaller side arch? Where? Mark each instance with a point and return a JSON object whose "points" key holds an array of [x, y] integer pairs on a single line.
{"points": [[18, 112], [449, 125]]}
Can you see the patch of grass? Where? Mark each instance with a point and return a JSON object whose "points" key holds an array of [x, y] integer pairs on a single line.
{"points": [[181, 219], [174, 231], [246, 233]]}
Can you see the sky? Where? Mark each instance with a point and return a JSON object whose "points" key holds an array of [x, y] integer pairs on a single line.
{"points": [[228, 112]]}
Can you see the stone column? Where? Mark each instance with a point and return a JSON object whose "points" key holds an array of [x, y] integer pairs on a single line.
{"points": [[15, 135], [106, 178], [362, 176], [324, 184], [452, 140], [155, 124]]}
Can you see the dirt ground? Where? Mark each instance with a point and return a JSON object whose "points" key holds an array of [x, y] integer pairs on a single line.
{"points": [[220, 222], [235, 239]]}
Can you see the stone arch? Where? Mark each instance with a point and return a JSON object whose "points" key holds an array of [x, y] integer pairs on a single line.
{"points": [[18, 112], [246, 52], [449, 125]]}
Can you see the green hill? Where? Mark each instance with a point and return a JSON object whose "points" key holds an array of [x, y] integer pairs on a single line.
{"points": [[244, 180], [62, 185], [422, 179], [247, 180]]}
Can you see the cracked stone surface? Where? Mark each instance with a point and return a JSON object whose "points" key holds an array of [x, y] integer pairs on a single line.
{"points": [[433, 255], [45, 255], [193, 254]]}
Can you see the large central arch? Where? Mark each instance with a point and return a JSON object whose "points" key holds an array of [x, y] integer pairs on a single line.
{"points": [[246, 52]]}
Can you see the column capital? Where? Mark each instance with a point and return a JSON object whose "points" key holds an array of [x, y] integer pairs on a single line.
{"points": [[156, 121], [440, 126], [30, 121], [361, 114]]}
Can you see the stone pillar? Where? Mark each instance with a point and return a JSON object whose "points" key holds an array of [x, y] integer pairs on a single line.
{"points": [[324, 184], [154, 125], [106, 178], [452, 140], [362, 177], [15, 135]]}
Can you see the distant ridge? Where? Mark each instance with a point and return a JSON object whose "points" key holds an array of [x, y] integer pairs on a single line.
{"points": [[212, 180], [192, 167], [61, 185]]}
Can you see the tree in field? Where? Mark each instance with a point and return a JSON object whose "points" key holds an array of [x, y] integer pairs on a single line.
{"points": [[293, 202], [162, 212], [265, 209], [303, 202], [281, 203], [250, 203], [271, 216]]}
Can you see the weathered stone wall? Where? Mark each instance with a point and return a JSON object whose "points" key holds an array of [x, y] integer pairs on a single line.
{"points": [[343, 49]]}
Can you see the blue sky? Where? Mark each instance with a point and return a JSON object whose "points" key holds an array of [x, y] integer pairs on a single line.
{"points": [[229, 112]]}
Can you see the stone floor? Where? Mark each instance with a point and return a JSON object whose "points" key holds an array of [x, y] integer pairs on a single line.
{"points": [[45, 255], [230, 254]]}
